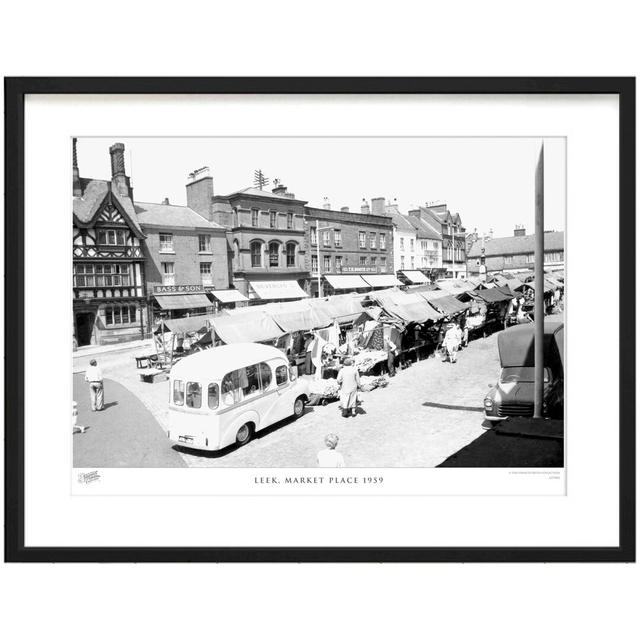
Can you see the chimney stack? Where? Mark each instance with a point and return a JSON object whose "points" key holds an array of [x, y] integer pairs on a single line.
{"points": [[166, 201], [378, 206], [200, 191], [119, 182], [344, 209], [364, 207], [326, 204], [77, 188], [519, 230], [280, 190]]}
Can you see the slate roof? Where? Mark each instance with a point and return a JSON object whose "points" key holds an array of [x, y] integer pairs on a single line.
{"points": [[171, 215], [401, 222], [553, 241], [94, 192], [252, 191], [424, 229]]}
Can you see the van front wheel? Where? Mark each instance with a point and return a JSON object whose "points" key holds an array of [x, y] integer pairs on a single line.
{"points": [[245, 433], [298, 407]]}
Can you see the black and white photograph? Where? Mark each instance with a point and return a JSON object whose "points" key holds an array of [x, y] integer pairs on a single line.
{"points": [[305, 302]]}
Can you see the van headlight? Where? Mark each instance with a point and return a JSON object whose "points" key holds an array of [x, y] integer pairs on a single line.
{"points": [[488, 403]]}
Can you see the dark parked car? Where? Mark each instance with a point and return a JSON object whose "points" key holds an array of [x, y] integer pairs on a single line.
{"points": [[513, 394]]}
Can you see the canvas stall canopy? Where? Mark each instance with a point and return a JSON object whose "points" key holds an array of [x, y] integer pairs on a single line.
{"points": [[300, 319], [454, 286], [343, 308], [491, 295], [194, 324], [382, 280], [446, 304], [408, 307], [415, 277], [256, 326]]}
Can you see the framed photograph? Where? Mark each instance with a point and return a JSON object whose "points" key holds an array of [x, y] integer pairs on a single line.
{"points": [[320, 319]]}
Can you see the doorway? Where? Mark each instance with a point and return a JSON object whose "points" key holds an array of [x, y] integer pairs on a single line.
{"points": [[84, 328]]}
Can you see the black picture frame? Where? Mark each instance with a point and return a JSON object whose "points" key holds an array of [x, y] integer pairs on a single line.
{"points": [[15, 91]]}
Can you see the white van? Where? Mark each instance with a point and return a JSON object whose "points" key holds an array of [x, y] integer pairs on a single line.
{"points": [[224, 395]]}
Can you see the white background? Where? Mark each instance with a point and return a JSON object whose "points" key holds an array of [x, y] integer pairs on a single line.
{"points": [[486, 38]]}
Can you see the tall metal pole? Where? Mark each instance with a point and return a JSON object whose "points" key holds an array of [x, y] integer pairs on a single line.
{"points": [[539, 289]]}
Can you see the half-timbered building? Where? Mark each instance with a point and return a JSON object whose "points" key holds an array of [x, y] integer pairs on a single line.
{"points": [[108, 261]]}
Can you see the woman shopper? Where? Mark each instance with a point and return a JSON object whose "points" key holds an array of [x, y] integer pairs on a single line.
{"points": [[349, 381]]}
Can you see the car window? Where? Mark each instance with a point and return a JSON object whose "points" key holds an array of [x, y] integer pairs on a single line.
{"points": [[265, 375], [178, 392], [522, 374], [194, 395], [230, 389], [281, 375], [249, 381], [212, 396]]}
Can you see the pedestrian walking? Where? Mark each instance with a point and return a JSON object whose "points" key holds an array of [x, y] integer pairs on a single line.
{"points": [[349, 381], [329, 457], [95, 379], [391, 350], [451, 343]]}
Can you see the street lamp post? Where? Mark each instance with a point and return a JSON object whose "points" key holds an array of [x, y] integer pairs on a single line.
{"points": [[318, 230]]}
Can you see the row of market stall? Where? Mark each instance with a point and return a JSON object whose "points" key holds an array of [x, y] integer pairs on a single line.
{"points": [[317, 334]]}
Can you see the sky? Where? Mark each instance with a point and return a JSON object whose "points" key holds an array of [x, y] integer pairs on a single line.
{"points": [[488, 181]]}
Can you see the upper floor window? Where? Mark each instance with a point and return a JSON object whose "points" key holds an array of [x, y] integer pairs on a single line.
{"points": [[383, 241], [411, 245], [291, 254], [289, 220], [363, 261], [204, 244], [166, 242], [372, 240], [168, 273], [338, 260], [101, 275], [413, 262], [314, 235], [337, 237], [256, 254], [274, 257], [205, 273], [111, 236], [327, 263], [255, 218], [401, 262], [362, 239], [272, 219], [401, 244], [325, 239], [373, 261], [383, 264], [314, 264]]}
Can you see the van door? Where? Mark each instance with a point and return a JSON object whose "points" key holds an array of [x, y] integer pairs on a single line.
{"points": [[284, 399]]}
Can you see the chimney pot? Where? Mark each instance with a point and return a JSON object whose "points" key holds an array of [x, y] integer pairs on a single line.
{"points": [[364, 207], [166, 201]]}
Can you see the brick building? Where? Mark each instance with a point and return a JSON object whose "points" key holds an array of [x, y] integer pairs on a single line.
{"points": [[352, 250], [515, 253], [108, 263], [186, 260], [265, 237]]}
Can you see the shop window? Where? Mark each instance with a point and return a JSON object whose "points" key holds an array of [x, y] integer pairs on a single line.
{"points": [[274, 257], [213, 396], [178, 392], [291, 254], [282, 376], [256, 254], [204, 243], [194, 395], [166, 243], [120, 314]]}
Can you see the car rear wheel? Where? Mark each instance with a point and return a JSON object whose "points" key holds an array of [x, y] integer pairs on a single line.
{"points": [[245, 433], [298, 407]]}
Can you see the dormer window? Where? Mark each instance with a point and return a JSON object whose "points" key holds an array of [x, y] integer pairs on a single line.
{"points": [[111, 236]]}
